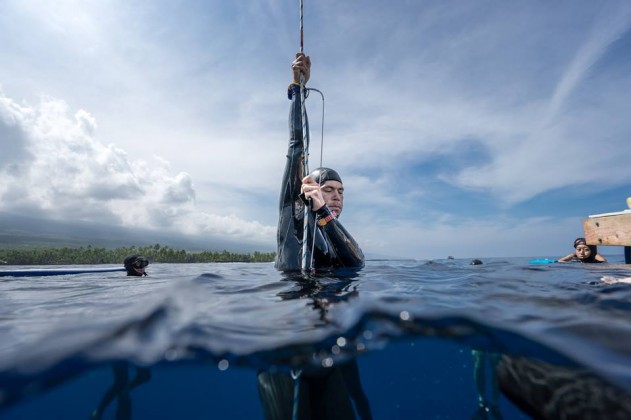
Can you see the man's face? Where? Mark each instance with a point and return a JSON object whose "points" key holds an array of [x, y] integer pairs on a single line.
{"points": [[333, 194]]}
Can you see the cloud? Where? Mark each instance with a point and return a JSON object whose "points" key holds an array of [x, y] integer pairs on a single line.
{"points": [[526, 89], [70, 174], [14, 151]]}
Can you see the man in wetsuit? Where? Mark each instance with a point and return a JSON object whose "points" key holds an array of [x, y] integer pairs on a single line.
{"points": [[322, 190], [331, 393]]}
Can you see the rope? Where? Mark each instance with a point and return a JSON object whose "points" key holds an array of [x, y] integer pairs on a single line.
{"points": [[313, 236], [322, 124], [302, 43], [295, 374], [307, 255], [307, 260]]}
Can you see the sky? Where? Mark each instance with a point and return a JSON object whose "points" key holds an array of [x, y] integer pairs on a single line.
{"points": [[465, 129]]}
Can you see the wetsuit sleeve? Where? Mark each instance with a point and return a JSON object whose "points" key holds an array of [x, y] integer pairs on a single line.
{"points": [[290, 222], [347, 252]]}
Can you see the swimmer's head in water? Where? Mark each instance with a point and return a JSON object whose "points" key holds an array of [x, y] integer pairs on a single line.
{"points": [[135, 265], [584, 252]]}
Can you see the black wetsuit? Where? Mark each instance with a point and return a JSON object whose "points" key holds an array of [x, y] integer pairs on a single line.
{"points": [[329, 393], [334, 246]]}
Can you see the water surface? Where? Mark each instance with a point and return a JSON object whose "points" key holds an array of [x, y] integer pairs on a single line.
{"points": [[428, 338]]}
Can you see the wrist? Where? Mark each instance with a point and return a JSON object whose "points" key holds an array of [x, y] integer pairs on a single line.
{"points": [[325, 215], [293, 89], [323, 211], [323, 221]]}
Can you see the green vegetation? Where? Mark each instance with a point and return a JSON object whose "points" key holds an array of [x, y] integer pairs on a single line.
{"points": [[89, 255]]}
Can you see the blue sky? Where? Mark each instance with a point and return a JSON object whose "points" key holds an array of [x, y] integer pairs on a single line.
{"points": [[472, 129]]}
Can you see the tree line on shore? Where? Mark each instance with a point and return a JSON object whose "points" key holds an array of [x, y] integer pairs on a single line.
{"points": [[92, 255]]}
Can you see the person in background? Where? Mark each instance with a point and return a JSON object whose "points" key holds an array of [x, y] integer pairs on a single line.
{"points": [[322, 190], [584, 253], [135, 265]]}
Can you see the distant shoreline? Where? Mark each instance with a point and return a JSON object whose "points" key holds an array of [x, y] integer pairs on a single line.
{"points": [[94, 255]]}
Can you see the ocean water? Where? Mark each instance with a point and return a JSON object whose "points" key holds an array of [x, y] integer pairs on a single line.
{"points": [[404, 339]]}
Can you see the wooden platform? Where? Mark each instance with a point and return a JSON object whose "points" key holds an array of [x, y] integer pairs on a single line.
{"points": [[610, 229]]}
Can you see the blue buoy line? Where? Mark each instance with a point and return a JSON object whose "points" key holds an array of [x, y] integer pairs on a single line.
{"points": [[56, 271]]}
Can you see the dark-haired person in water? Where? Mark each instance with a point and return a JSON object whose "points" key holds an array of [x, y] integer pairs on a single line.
{"points": [[322, 190], [584, 253], [135, 265], [327, 393]]}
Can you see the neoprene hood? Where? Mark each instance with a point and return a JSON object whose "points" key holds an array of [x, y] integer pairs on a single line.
{"points": [[321, 175], [135, 260]]}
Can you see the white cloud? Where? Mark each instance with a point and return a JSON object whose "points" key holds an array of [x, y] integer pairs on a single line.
{"points": [[72, 175], [527, 90]]}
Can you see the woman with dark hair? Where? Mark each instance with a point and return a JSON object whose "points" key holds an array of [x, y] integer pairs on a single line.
{"points": [[584, 253]]}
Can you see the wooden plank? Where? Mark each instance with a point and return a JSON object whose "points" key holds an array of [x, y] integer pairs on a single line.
{"points": [[608, 230]]}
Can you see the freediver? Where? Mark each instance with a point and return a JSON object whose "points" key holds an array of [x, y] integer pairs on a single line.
{"points": [[584, 253], [322, 190], [327, 393]]}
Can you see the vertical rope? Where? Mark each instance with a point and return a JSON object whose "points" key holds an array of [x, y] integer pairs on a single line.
{"points": [[295, 374], [313, 232], [306, 262], [302, 43]]}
